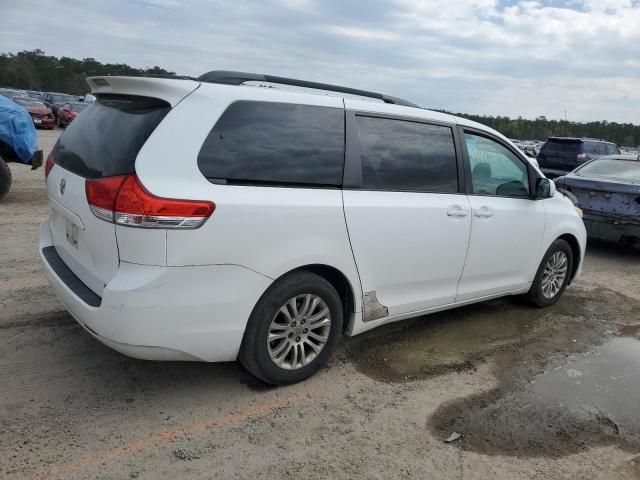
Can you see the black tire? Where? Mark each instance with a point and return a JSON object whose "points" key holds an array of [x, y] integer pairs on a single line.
{"points": [[5, 178], [535, 294], [254, 354]]}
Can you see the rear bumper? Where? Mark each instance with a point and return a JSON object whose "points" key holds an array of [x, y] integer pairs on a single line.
{"points": [[553, 172], [163, 313], [44, 122], [611, 229]]}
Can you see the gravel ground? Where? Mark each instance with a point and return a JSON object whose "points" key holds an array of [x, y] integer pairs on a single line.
{"points": [[71, 408]]}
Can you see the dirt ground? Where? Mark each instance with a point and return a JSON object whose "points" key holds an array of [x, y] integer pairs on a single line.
{"points": [[531, 393]]}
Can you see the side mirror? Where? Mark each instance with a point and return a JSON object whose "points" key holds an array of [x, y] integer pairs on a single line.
{"points": [[544, 188]]}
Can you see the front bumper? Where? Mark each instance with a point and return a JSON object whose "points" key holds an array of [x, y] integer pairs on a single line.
{"points": [[165, 313]]}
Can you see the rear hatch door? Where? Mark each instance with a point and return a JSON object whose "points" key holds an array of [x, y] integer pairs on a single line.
{"points": [[560, 154], [102, 142]]}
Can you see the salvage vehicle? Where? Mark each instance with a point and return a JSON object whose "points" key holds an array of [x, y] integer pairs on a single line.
{"points": [[41, 115], [214, 219], [561, 155], [18, 141], [68, 112], [54, 100], [607, 190]]}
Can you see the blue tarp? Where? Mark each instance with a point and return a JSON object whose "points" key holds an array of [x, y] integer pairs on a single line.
{"points": [[17, 130]]}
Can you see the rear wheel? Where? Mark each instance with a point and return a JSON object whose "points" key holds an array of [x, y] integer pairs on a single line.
{"points": [[5, 178], [553, 274], [293, 329]]}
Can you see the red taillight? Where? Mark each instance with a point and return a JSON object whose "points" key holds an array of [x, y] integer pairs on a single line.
{"points": [[124, 201], [48, 165]]}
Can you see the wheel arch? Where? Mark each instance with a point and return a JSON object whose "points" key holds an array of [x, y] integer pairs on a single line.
{"points": [[575, 250], [340, 282]]}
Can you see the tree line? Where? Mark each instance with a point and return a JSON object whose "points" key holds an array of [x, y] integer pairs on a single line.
{"points": [[33, 70], [624, 134]]}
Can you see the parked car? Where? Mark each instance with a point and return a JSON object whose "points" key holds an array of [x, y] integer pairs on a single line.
{"points": [[55, 100], [560, 155], [40, 113], [18, 141], [215, 220], [34, 94], [67, 112], [607, 190], [10, 93]]}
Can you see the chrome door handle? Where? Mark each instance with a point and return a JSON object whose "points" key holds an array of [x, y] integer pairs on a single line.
{"points": [[457, 211], [484, 212]]}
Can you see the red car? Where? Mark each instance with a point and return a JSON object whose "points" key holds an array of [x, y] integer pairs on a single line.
{"points": [[41, 115], [69, 111]]}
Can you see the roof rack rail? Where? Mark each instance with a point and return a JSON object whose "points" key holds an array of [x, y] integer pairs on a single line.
{"points": [[238, 78]]}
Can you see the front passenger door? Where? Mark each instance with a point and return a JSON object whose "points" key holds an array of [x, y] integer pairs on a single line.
{"points": [[507, 226]]}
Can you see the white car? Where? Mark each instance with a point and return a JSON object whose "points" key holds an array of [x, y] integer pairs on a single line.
{"points": [[259, 218]]}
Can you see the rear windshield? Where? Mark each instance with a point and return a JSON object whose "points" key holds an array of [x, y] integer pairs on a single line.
{"points": [[105, 140], [612, 169], [561, 146]]}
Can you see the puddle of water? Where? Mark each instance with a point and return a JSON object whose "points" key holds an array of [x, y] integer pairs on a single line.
{"points": [[591, 400], [568, 376], [630, 331], [452, 340]]}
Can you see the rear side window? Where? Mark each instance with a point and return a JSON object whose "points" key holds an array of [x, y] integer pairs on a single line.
{"points": [[275, 144], [105, 140], [409, 156], [612, 149], [592, 148]]}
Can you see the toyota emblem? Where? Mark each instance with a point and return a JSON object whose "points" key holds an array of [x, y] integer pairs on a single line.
{"points": [[63, 185]]}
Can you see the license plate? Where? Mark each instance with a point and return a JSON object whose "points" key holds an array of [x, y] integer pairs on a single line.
{"points": [[37, 120], [72, 233]]}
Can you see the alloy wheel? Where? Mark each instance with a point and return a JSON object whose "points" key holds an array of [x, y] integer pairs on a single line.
{"points": [[299, 331], [554, 275]]}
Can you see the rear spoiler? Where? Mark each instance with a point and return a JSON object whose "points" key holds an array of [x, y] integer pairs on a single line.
{"points": [[170, 90]]}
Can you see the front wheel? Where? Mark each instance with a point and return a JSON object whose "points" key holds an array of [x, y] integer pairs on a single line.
{"points": [[293, 329], [553, 274], [5, 178]]}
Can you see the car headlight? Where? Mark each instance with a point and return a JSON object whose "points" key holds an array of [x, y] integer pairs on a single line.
{"points": [[579, 211]]}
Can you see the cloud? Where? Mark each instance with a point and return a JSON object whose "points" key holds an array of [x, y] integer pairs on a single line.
{"points": [[504, 57]]}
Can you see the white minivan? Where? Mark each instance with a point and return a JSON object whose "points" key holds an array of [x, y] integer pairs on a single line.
{"points": [[260, 218]]}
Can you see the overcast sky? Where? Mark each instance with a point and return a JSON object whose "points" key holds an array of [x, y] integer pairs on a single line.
{"points": [[494, 57]]}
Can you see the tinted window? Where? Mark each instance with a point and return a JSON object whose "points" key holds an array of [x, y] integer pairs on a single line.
{"points": [[561, 146], [403, 155], [275, 143], [591, 148], [495, 170], [612, 149], [105, 140]]}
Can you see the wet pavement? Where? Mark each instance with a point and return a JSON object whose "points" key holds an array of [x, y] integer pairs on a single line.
{"points": [[456, 339], [568, 376]]}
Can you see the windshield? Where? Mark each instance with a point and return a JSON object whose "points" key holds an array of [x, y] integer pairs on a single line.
{"points": [[27, 102], [62, 98], [78, 107], [614, 169]]}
